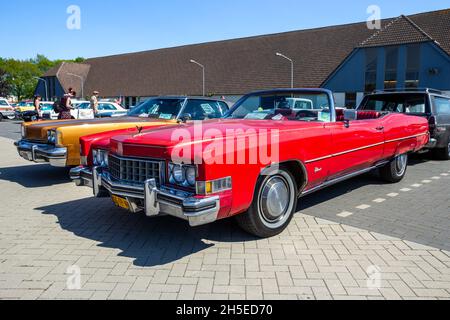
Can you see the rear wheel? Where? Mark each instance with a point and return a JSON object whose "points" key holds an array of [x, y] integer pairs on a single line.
{"points": [[443, 153], [274, 205], [395, 170]]}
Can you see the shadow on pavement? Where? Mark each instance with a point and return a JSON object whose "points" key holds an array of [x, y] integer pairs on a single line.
{"points": [[415, 221], [150, 242], [35, 176], [162, 240]]}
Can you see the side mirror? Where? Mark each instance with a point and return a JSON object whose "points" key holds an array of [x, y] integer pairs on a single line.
{"points": [[349, 115]]}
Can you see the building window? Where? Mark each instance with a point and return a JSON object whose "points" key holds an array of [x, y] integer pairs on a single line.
{"points": [[391, 67], [371, 69], [350, 100], [412, 66]]}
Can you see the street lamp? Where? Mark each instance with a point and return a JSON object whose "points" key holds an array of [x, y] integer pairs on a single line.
{"points": [[292, 67], [82, 83], [203, 69], [45, 83]]}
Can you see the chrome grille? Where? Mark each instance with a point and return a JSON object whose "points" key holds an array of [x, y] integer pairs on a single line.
{"points": [[135, 170]]}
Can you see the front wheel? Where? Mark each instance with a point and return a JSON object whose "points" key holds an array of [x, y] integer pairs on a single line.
{"points": [[395, 170], [11, 117], [275, 202]]}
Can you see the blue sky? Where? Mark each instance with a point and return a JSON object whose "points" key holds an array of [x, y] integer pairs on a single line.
{"points": [[119, 26]]}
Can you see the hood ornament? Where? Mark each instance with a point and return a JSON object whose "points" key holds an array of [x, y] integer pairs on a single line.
{"points": [[139, 129]]}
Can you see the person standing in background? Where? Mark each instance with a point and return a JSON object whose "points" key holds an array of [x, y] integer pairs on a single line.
{"points": [[37, 107], [37, 103], [94, 102], [66, 105]]}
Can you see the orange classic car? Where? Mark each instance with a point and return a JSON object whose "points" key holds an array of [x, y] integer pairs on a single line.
{"points": [[58, 142]]}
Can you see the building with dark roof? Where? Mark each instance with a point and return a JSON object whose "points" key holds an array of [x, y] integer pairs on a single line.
{"points": [[408, 51]]}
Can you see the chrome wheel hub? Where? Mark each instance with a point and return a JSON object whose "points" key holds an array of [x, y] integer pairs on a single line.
{"points": [[401, 163], [275, 199]]}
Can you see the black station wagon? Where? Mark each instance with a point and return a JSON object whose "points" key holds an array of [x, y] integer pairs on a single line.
{"points": [[429, 103]]}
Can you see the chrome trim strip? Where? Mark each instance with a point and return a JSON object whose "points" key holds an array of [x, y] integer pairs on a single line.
{"points": [[341, 179], [362, 148]]}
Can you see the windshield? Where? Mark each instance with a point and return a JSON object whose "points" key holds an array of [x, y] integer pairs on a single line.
{"points": [[82, 105], [25, 104], [46, 106], [166, 109], [3, 103], [402, 103], [300, 106]]}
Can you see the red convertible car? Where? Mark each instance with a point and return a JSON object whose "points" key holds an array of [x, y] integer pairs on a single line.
{"points": [[258, 161]]}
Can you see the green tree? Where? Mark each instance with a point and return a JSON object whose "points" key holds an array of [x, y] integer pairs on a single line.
{"points": [[4, 84], [20, 75]]}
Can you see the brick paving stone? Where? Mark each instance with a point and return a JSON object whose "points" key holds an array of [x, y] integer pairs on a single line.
{"points": [[320, 256]]}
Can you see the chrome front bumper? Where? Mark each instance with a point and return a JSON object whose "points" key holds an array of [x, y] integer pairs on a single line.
{"points": [[8, 113], [38, 152], [156, 201], [85, 177]]}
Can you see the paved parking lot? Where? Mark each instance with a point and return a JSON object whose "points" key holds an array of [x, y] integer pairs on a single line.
{"points": [[361, 239]]}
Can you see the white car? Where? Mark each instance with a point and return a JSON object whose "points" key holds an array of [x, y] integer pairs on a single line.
{"points": [[6, 110], [83, 110]]}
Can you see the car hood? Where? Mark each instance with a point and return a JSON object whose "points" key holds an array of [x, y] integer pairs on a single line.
{"points": [[38, 130], [160, 142]]}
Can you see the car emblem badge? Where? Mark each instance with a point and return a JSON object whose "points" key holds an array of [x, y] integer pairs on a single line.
{"points": [[120, 149]]}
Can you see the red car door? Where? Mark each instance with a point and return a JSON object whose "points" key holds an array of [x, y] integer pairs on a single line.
{"points": [[357, 147]]}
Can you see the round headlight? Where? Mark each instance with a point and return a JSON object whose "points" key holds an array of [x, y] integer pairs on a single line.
{"points": [[178, 173], [191, 175]]}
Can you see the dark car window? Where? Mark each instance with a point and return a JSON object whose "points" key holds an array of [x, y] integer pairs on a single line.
{"points": [[84, 106], [106, 106], [3, 103], [163, 108], [402, 103], [205, 109], [441, 105]]}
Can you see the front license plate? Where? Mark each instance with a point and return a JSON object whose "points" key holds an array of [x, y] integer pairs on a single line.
{"points": [[121, 202]]}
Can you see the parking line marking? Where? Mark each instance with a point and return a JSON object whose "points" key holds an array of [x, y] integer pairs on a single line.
{"points": [[416, 185], [405, 190], [392, 195], [436, 178], [345, 214], [379, 200], [427, 181], [444, 174], [363, 207]]}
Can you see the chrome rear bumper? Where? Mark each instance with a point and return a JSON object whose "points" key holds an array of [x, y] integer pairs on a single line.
{"points": [[156, 201], [39, 152]]}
